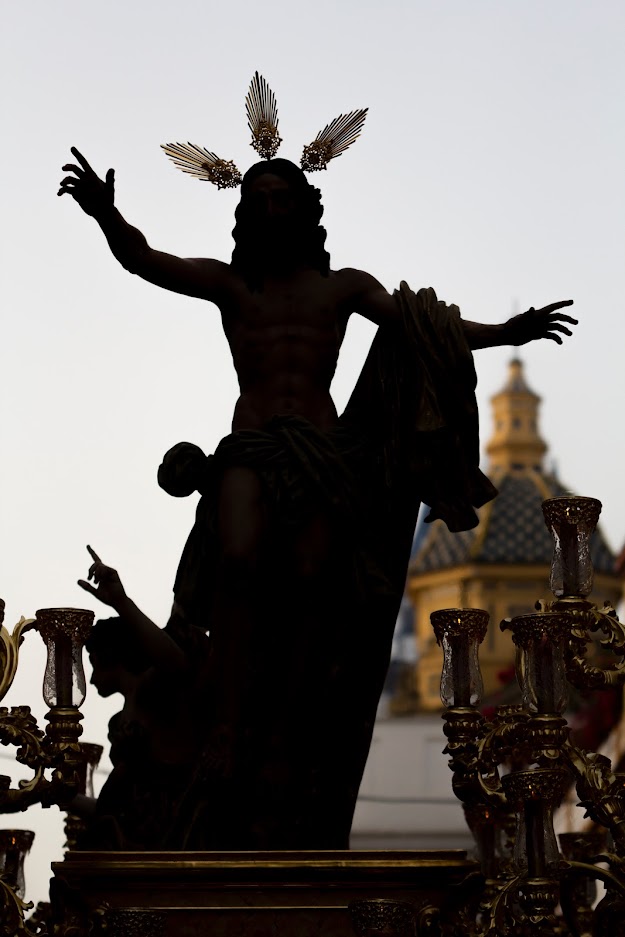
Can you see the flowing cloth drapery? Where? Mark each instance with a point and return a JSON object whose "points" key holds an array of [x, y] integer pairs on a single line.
{"points": [[409, 434]]}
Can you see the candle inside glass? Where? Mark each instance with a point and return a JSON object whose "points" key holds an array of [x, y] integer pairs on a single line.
{"points": [[63, 671], [460, 672], [570, 558], [12, 864], [534, 845], [545, 695]]}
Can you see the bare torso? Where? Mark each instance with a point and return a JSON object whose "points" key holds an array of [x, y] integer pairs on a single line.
{"points": [[285, 338], [285, 341]]}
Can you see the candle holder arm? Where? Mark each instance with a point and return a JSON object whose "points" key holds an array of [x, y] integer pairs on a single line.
{"points": [[465, 728], [9, 652], [12, 908], [598, 790], [608, 912], [587, 620], [58, 750], [19, 727]]}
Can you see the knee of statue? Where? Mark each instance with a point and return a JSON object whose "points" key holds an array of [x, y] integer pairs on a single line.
{"points": [[238, 568]]}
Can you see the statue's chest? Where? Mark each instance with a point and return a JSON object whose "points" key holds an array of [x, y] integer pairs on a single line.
{"points": [[286, 312]]}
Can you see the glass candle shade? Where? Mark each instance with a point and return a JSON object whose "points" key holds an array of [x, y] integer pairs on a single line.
{"points": [[487, 826], [460, 631], [65, 631], [535, 794], [572, 522], [540, 665], [14, 847]]}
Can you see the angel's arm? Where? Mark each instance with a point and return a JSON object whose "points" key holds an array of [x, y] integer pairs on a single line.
{"points": [[158, 647]]}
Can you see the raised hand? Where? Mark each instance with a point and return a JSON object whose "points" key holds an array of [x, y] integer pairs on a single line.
{"points": [[94, 195], [108, 586], [539, 323]]}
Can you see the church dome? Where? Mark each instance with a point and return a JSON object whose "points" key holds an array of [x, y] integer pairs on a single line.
{"points": [[511, 529]]}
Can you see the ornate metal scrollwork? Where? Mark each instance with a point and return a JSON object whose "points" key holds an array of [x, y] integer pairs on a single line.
{"points": [[12, 909], [129, 922], [374, 916], [57, 751], [520, 761], [9, 649]]}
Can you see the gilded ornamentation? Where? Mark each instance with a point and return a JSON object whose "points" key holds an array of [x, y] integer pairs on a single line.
{"points": [[37, 923], [587, 620], [12, 909], [57, 750], [262, 118], [19, 727], [131, 923], [520, 896], [538, 899], [571, 510], [452, 623], [9, 649], [316, 155], [333, 140], [383, 916], [527, 628], [543, 737], [66, 756], [537, 784], [265, 141], [203, 165], [463, 728], [73, 623]]}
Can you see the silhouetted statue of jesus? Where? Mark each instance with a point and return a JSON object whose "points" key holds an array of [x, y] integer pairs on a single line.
{"points": [[297, 560]]}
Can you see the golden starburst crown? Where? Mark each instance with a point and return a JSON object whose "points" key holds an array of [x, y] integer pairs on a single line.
{"points": [[262, 119]]}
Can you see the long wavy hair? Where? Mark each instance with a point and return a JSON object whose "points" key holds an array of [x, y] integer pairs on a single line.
{"points": [[308, 240]]}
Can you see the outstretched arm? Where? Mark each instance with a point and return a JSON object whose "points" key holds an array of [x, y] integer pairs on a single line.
{"points": [[369, 298], [193, 277], [160, 650], [519, 330]]}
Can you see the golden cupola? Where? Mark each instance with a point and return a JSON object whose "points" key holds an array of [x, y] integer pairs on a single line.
{"points": [[515, 444]]}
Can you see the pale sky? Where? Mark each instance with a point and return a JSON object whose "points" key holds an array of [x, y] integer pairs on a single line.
{"points": [[490, 168]]}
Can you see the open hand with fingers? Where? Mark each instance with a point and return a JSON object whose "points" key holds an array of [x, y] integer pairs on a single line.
{"points": [[94, 195], [539, 323], [107, 586]]}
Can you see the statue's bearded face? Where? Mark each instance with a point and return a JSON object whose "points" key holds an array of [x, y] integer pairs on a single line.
{"points": [[271, 206]]}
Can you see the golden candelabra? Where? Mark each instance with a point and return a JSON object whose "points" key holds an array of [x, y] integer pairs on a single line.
{"points": [[55, 756], [511, 772]]}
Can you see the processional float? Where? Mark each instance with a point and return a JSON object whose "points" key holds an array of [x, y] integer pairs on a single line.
{"points": [[510, 773]]}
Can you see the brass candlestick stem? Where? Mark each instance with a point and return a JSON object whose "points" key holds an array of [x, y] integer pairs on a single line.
{"points": [[521, 893]]}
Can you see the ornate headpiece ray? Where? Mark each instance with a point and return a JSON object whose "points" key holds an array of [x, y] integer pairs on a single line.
{"points": [[261, 108], [262, 118]]}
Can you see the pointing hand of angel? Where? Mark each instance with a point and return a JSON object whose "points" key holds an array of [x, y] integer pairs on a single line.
{"points": [[107, 585]]}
